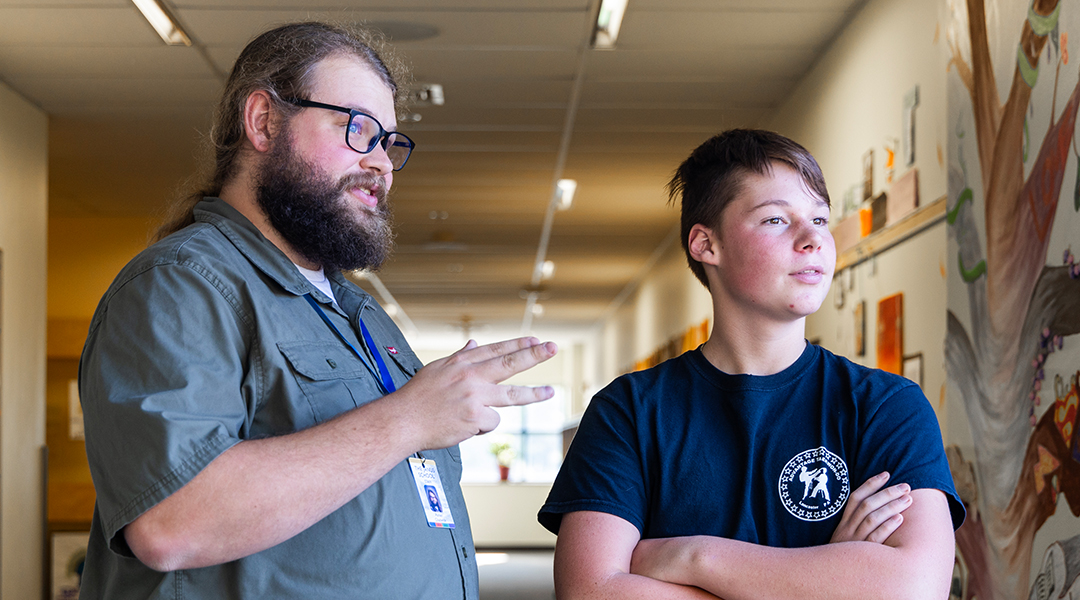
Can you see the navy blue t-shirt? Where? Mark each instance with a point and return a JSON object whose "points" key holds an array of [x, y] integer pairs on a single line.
{"points": [[685, 449]]}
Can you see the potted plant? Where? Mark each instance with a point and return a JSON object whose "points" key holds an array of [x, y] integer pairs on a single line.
{"points": [[504, 454]]}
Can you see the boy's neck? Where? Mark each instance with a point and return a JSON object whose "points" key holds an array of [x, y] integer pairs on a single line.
{"points": [[741, 350]]}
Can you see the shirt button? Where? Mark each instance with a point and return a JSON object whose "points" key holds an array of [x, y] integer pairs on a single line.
{"points": [[333, 365]]}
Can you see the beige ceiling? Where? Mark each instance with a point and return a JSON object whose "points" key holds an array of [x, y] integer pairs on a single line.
{"points": [[126, 115]]}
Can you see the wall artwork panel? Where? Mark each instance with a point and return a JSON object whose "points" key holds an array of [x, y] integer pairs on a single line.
{"points": [[1012, 351], [890, 333]]}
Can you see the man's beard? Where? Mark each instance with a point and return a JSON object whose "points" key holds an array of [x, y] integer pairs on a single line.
{"points": [[315, 215]]}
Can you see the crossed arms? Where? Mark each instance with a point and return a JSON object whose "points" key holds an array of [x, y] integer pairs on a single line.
{"points": [[891, 543]]}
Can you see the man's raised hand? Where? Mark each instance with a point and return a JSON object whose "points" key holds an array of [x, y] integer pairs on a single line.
{"points": [[451, 399]]}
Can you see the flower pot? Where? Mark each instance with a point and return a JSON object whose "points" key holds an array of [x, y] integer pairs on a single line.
{"points": [[504, 472]]}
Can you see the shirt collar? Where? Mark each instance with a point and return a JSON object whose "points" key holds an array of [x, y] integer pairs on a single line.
{"points": [[262, 253]]}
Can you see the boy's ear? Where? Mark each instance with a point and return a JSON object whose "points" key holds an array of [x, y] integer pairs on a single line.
{"points": [[704, 245], [260, 125]]}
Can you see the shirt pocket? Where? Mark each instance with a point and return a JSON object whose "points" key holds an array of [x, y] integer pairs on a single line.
{"points": [[407, 363], [331, 377], [406, 360]]}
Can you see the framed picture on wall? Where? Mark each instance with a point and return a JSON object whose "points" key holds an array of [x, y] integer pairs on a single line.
{"points": [[67, 554], [890, 333], [913, 368], [860, 328], [868, 175]]}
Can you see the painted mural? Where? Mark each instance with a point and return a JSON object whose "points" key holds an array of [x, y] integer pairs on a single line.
{"points": [[1012, 349]]}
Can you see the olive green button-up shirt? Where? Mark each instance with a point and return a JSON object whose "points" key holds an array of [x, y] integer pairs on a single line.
{"points": [[204, 340]]}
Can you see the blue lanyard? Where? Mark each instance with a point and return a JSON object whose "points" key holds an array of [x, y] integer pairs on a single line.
{"points": [[384, 373]]}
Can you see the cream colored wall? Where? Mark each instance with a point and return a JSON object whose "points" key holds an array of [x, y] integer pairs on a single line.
{"points": [[668, 302], [503, 515], [23, 218], [851, 102]]}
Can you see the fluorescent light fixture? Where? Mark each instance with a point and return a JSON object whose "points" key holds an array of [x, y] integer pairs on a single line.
{"points": [[547, 270], [163, 22], [608, 21], [538, 310], [429, 93], [564, 193]]}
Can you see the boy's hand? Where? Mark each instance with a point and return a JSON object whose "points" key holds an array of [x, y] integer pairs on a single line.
{"points": [[872, 514]]}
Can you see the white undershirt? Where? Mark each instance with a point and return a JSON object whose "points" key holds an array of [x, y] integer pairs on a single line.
{"points": [[319, 280]]}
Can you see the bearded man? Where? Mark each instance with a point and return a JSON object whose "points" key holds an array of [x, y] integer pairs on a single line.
{"points": [[256, 425]]}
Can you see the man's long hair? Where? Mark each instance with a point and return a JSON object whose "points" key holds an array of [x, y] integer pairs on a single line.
{"points": [[280, 62]]}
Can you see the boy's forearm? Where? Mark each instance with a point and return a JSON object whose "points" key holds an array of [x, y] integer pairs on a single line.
{"points": [[625, 586], [861, 570], [916, 562], [592, 561]]}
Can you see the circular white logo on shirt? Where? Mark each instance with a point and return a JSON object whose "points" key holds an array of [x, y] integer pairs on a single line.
{"points": [[814, 484]]}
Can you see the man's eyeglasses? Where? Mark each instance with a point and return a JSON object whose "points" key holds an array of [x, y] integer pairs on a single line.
{"points": [[364, 131]]}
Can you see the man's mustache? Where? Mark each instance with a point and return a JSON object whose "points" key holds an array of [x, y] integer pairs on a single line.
{"points": [[375, 183]]}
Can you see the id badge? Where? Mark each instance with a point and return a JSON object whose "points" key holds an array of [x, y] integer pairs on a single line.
{"points": [[430, 489]]}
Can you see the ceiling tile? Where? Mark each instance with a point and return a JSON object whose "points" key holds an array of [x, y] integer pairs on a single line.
{"points": [[665, 29], [158, 61], [127, 116], [457, 29], [60, 95], [56, 25]]}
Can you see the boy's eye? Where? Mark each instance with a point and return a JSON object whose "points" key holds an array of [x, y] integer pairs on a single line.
{"points": [[821, 221], [774, 221]]}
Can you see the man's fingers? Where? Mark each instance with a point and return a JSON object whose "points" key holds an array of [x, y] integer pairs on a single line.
{"points": [[474, 353], [501, 367], [517, 395], [489, 420]]}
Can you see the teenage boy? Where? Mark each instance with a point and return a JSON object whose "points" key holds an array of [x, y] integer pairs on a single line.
{"points": [[729, 470]]}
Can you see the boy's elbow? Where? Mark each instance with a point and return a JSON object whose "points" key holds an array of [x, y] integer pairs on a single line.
{"points": [[924, 588], [928, 580]]}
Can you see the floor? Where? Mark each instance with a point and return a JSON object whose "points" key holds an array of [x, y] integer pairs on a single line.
{"points": [[516, 575]]}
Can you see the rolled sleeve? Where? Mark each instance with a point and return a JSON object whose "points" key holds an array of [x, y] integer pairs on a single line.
{"points": [[161, 381]]}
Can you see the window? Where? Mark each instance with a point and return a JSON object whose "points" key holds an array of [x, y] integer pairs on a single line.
{"points": [[534, 433]]}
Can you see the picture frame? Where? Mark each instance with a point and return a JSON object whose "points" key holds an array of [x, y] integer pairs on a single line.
{"points": [[913, 368], [859, 314], [66, 555], [868, 175], [890, 333]]}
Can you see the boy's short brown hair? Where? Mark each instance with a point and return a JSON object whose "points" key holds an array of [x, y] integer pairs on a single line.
{"points": [[707, 181]]}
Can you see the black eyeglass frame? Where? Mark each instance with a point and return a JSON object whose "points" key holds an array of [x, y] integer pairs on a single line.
{"points": [[381, 139]]}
